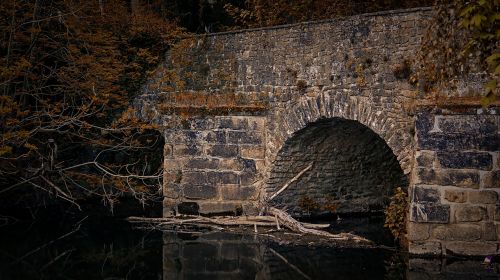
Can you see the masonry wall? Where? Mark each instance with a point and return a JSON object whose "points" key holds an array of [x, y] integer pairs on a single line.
{"points": [[233, 100], [213, 165], [454, 202], [282, 78]]}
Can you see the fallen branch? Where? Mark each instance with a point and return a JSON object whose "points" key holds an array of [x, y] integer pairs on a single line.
{"points": [[296, 226], [264, 221], [290, 182]]}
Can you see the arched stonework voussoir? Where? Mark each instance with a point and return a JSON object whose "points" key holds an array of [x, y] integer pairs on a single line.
{"points": [[392, 125]]}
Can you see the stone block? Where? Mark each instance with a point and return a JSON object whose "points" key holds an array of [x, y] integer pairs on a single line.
{"points": [[467, 213], [424, 248], [187, 150], [235, 192], [483, 197], [188, 208], [468, 124], [497, 214], [232, 122], [253, 152], [221, 208], [194, 178], [458, 142], [244, 137], [460, 178], [172, 190], [225, 151], [257, 123], [223, 177], [234, 164], [457, 232], [491, 179], [461, 160], [489, 232], [426, 194], [425, 158], [167, 151], [429, 213], [172, 164], [249, 178], [200, 191], [216, 137], [455, 196], [418, 231], [202, 163], [470, 248]]}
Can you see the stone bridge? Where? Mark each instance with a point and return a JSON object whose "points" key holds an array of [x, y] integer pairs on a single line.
{"points": [[246, 112]]}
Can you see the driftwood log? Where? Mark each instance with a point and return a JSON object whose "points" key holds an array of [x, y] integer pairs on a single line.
{"points": [[268, 217]]}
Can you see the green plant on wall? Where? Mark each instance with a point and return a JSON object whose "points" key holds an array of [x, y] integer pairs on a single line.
{"points": [[395, 214], [462, 38]]}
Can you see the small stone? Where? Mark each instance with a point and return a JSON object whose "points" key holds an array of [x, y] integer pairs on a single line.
{"points": [[468, 213], [483, 197], [455, 196]]}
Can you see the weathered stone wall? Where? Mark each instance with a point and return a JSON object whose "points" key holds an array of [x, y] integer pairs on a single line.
{"points": [[454, 202], [234, 100], [213, 165], [353, 170], [281, 78]]}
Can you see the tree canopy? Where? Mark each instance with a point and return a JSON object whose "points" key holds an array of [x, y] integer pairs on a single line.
{"points": [[69, 70]]}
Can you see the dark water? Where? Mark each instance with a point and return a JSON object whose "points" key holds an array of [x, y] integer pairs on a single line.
{"points": [[106, 248]]}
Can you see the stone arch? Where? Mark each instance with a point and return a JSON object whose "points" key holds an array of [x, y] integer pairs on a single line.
{"points": [[392, 126]]}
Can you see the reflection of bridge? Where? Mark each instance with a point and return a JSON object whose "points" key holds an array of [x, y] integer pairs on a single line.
{"points": [[234, 256], [235, 103]]}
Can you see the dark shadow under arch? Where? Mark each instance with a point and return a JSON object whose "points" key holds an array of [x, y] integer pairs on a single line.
{"points": [[354, 170]]}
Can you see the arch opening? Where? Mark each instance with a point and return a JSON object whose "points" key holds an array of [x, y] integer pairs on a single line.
{"points": [[353, 170]]}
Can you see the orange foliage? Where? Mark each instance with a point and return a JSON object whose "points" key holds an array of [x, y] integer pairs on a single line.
{"points": [[68, 73]]}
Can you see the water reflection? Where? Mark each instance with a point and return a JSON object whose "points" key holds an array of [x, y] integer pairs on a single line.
{"points": [[228, 256], [109, 249]]}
